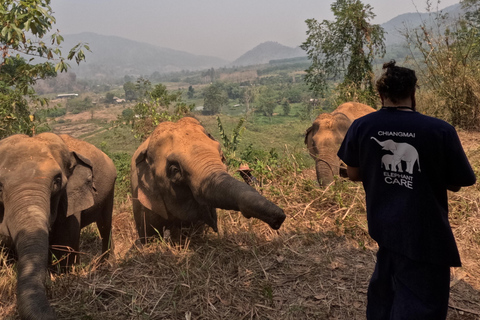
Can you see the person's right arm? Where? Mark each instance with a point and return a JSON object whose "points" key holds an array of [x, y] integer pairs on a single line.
{"points": [[354, 173]]}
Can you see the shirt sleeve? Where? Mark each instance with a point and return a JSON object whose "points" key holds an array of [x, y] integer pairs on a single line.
{"points": [[460, 172], [348, 151]]}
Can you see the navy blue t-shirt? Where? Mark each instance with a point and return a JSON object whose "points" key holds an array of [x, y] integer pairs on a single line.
{"points": [[407, 160]]}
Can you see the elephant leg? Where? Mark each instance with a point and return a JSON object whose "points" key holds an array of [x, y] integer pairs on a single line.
{"points": [[147, 222], [410, 167], [399, 166], [65, 242], [104, 225]]}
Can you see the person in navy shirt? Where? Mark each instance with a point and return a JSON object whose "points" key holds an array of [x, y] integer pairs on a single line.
{"points": [[407, 161]]}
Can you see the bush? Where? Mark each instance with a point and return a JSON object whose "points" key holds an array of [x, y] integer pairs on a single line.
{"points": [[77, 105]]}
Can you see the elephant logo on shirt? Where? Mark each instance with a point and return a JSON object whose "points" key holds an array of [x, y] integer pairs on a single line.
{"points": [[401, 152]]}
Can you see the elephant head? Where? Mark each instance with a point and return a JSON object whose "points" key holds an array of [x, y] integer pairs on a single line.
{"points": [[36, 176], [178, 176], [324, 137]]}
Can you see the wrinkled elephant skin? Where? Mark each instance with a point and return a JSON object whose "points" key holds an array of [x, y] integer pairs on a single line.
{"points": [[324, 137], [178, 178], [47, 192]]}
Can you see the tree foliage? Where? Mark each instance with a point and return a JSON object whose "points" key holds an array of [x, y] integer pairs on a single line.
{"points": [[26, 57], [158, 105], [214, 98], [344, 48], [446, 56], [267, 101]]}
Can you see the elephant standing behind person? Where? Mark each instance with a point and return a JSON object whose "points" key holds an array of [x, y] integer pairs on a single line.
{"points": [[324, 137], [178, 178], [47, 193]]}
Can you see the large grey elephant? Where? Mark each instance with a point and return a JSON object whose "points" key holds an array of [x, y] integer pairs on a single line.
{"points": [[324, 137], [50, 188], [178, 177]]}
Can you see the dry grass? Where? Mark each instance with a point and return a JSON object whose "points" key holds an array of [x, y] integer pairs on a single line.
{"points": [[317, 266]]}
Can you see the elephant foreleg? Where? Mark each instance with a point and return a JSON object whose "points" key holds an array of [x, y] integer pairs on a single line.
{"points": [[104, 225], [65, 241], [147, 222]]}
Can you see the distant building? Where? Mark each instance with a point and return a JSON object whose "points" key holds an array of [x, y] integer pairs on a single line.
{"points": [[67, 95], [198, 108]]}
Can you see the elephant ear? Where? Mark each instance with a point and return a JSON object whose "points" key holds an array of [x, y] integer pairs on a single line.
{"points": [[145, 192], [309, 139], [343, 122], [80, 187]]}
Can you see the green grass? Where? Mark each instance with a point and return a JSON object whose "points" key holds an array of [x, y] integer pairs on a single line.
{"points": [[263, 133]]}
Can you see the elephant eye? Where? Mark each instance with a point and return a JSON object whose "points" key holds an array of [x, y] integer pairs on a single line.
{"points": [[57, 182], [174, 172]]}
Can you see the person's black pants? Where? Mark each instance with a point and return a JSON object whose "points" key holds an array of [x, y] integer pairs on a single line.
{"points": [[401, 288]]}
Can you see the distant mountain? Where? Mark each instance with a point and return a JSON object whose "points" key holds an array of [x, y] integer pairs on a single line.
{"points": [[395, 26], [114, 57], [267, 51]]}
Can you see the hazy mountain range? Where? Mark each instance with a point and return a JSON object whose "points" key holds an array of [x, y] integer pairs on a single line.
{"points": [[114, 57]]}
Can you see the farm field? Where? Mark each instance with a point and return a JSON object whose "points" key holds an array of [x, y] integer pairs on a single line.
{"points": [[316, 266]]}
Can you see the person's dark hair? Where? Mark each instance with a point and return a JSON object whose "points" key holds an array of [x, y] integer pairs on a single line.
{"points": [[396, 83]]}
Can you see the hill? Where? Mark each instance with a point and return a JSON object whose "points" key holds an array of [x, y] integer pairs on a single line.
{"points": [[395, 26], [267, 51], [115, 57]]}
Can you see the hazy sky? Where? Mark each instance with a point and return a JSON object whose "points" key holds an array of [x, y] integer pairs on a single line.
{"points": [[221, 28]]}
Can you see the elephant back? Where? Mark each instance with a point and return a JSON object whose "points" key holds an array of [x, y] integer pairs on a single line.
{"points": [[354, 110]]}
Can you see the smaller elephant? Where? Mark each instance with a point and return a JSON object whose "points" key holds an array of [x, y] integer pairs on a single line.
{"points": [[324, 137], [388, 162], [179, 179], [401, 152], [50, 187], [104, 176]]}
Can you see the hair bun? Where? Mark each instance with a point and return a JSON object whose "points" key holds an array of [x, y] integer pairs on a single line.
{"points": [[390, 64]]}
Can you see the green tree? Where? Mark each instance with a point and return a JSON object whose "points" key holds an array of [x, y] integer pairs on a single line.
{"points": [[267, 101], [472, 15], [344, 48], [155, 108], [130, 91], [214, 98], [190, 92], [247, 96], [446, 55], [24, 26], [286, 107], [143, 88], [109, 97]]}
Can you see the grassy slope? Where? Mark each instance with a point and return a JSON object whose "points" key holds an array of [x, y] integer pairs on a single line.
{"points": [[316, 266]]}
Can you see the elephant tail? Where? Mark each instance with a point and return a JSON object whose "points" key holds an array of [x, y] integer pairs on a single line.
{"points": [[418, 162]]}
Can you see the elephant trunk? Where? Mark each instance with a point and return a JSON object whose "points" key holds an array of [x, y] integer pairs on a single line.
{"points": [[30, 234], [326, 168], [225, 192]]}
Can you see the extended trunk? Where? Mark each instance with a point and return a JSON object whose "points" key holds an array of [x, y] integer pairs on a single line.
{"points": [[326, 168], [225, 192], [31, 243]]}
